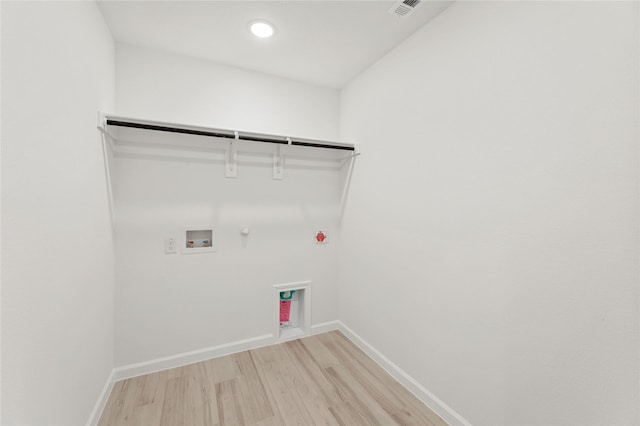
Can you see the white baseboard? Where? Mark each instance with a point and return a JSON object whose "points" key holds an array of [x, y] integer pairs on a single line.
{"points": [[325, 327], [429, 399], [178, 360], [185, 358], [102, 400]]}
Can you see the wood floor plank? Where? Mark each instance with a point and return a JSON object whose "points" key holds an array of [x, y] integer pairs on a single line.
{"points": [[387, 389], [221, 369], [148, 414], [279, 378], [229, 404], [314, 373], [256, 405], [202, 404], [360, 397], [346, 415], [302, 384], [244, 364], [369, 379], [172, 407], [188, 400], [409, 417], [272, 421], [148, 410], [153, 386], [122, 401], [113, 405], [211, 378], [262, 359], [323, 357], [264, 356], [319, 380]]}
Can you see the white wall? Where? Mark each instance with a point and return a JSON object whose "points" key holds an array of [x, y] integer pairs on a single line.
{"points": [[171, 304], [166, 87], [57, 251], [490, 241]]}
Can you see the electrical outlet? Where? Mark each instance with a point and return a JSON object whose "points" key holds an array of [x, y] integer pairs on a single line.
{"points": [[170, 246]]}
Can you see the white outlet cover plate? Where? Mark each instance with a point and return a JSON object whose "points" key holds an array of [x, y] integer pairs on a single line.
{"points": [[170, 246]]}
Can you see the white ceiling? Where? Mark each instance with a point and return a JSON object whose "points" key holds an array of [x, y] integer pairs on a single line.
{"points": [[320, 42]]}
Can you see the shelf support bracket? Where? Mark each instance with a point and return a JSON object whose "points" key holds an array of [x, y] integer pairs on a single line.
{"points": [[278, 163], [102, 122], [231, 158]]}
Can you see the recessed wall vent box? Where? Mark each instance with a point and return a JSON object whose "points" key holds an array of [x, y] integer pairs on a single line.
{"points": [[293, 310], [198, 240], [404, 7]]}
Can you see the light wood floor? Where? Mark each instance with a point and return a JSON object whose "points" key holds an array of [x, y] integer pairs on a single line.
{"points": [[319, 380]]}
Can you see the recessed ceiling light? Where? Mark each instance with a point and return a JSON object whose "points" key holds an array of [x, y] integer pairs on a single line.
{"points": [[261, 29]]}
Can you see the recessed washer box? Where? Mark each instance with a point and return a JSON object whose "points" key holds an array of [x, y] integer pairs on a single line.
{"points": [[198, 240]]}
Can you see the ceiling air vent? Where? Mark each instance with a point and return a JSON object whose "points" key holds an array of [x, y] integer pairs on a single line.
{"points": [[404, 7]]}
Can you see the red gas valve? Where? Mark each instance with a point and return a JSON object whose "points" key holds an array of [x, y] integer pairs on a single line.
{"points": [[321, 237]]}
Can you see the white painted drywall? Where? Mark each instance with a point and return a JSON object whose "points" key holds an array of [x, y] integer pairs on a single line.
{"points": [[490, 242], [57, 251], [166, 87], [171, 304]]}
